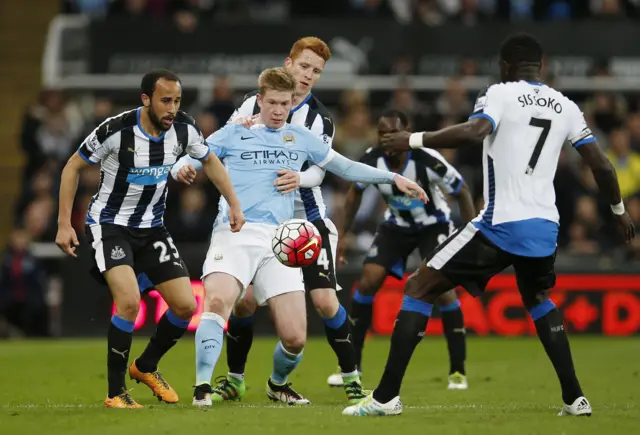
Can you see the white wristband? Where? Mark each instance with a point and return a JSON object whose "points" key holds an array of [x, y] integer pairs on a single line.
{"points": [[618, 208], [415, 140]]}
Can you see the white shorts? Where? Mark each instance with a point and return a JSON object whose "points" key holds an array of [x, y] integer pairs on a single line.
{"points": [[247, 256]]}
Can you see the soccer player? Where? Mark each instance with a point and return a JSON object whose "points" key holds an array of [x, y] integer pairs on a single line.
{"points": [[306, 61], [409, 225], [125, 227], [254, 157], [524, 125]]}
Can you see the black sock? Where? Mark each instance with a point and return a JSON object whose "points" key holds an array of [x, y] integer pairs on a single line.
{"points": [[169, 330], [453, 323], [118, 347], [240, 338], [338, 336], [409, 329], [550, 326], [360, 319]]}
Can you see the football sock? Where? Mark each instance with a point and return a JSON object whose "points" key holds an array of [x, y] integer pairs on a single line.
{"points": [[550, 327], [118, 347], [360, 319], [453, 323], [284, 363], [409, 329], [240, 338], [169, 330], [209, 339], [339, 337]]}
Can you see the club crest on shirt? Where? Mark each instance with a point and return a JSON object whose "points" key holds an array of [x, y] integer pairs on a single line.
{"points": [[177, 149], [289, 139]]}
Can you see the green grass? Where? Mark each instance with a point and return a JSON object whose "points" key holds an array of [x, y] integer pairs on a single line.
{"points": [[57, 387]]}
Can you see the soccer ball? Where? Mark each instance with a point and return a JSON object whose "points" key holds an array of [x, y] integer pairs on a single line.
{"points": [[297, 243]]}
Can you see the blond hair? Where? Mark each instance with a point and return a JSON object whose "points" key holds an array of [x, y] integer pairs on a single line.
{"points": [[276, 79]]}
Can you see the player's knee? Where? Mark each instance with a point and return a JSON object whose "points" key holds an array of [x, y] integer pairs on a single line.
{"points": [[245, 308], [215, 303], [186, 309], [128, 307], [532, 299], [368, 286], [419, 288], [325, 302], [294, 343], [447, 298]]}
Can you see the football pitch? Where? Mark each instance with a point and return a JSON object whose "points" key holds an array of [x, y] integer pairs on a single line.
{"points": [[57, 387]]}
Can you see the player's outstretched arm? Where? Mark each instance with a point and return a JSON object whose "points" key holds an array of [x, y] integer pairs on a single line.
{"points": [[218, 175], [469, 133], [359, 172], [185, 169], [66, 238], [605, 176]]}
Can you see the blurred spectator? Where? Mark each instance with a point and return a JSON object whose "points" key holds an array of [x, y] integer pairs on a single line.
{"points": [[428, 12], [454, 101], [222, 105], [356, 133], [633, 126], [626, 162], [22, 289], [405, 100], [606, 110], [41, 186], [192, 221]]}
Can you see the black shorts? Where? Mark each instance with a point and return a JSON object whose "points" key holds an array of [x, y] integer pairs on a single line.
{"points": [[149, 251], [468, 259], [392, 245], [322, 274]]}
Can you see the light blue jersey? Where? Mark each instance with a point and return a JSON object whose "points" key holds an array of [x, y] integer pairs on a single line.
{"points": [[254, 156]]}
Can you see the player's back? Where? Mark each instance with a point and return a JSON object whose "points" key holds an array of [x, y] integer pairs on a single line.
{"points": [[531, 123], [253, 158]]}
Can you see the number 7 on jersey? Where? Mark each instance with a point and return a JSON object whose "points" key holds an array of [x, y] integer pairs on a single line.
{"points": [[545, 125]]}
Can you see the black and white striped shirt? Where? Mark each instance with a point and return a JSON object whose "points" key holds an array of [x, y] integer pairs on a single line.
{"points": [[430, 170], [311, 114], [135, 167]]}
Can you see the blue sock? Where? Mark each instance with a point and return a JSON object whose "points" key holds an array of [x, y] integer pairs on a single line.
{"points": [[455, 305], [416, 306], [283, 364], [338, 320], [542, 309], [362, 299], [209, 339]]}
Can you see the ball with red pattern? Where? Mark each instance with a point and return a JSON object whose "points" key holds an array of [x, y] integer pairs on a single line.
{"points": [[297, 243]]}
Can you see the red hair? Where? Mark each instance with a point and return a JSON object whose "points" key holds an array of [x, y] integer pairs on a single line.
{"points": [[317, 45]]}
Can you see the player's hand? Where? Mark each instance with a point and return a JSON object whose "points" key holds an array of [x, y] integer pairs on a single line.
{"points": [[411, 188], [247, 121], [187, 174], [67, 240], [626, 227], [236, 218], [287, 181], [396, 141]]}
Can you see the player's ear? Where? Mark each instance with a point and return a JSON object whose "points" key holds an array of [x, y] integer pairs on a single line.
{"points": [[288, 62], [146, 101]]}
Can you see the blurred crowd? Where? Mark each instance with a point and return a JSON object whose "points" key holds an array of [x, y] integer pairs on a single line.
{"points": [[428, 12]]}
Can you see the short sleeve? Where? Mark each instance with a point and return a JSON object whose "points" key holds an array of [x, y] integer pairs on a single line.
{"points": [[220, 141], [489, 105], [579, 131], [197, 146], [317, 149], [97, 145], [441, 172]]}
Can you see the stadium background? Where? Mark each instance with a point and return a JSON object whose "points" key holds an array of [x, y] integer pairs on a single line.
{"points": [[80, 61]]}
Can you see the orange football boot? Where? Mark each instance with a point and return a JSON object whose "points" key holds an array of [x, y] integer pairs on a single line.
{"points": [[154, 380], [123, 400]]}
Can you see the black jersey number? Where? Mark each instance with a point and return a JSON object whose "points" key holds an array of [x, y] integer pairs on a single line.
{"points": [[545, 125]]}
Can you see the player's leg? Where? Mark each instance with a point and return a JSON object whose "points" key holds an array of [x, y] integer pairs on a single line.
{"points": [[536, 276], [449, 307], [228, 268], [281, 289], [387, 256], [465, 258], [454, 332], [160, 263], [113, 257], [239, 340]]}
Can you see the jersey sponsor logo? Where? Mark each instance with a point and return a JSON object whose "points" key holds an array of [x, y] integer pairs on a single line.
{"points": [[535, 100], [404, 202], [270, 157], [149, 175]]}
